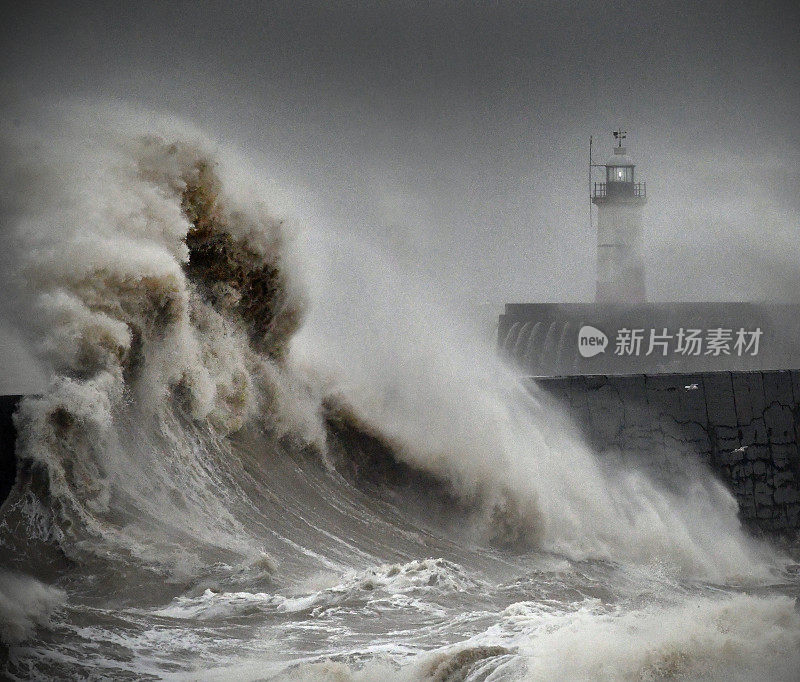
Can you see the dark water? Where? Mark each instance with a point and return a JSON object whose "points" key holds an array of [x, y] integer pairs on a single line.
{"points": [[324, 576]]}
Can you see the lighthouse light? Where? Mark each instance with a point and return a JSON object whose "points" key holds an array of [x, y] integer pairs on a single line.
{"points": [[620, 174]]}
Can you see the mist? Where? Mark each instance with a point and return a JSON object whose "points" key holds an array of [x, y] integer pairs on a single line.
{"points": [[454, 140]]}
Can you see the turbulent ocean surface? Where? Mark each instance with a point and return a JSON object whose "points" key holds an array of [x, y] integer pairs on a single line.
{"points": [[245, 467]]}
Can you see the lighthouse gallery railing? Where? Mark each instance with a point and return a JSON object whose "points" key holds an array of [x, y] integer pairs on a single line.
{"points": [[630, 189]]}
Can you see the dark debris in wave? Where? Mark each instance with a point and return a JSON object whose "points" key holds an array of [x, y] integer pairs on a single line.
{"points": [[457, 666], [229, 273], [369, 459]]}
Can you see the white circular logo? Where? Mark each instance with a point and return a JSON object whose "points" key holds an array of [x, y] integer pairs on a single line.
{"points": [[591, 341]]}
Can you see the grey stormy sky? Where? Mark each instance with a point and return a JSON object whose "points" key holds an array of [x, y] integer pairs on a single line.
{"points": [[454, 135]]}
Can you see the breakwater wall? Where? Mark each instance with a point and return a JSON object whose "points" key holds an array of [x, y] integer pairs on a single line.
{"points": [[744, 425], [8, 438], [544, 339]]}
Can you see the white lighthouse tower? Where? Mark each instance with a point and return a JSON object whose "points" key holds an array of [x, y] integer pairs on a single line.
{"points": [[619, 201]]}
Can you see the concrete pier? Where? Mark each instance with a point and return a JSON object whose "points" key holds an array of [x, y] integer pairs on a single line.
{"points": [[8, 437], [744, 425]]}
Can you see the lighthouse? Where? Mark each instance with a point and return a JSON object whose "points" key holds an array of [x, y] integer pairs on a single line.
{"points": [[619, 201], [620, 332]]}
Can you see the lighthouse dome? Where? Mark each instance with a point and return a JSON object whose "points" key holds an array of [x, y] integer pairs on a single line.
{"points": [[620, 158]]}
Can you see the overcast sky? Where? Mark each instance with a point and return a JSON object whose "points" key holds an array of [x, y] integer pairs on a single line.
{"points": [[455, 135]]}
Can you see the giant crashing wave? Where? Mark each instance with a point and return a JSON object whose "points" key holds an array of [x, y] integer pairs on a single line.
{"points": [[181, 438], [164, 309]]}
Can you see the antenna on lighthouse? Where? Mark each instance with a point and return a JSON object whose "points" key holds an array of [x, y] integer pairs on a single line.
{"points": [[591, 226], [620, 135]]}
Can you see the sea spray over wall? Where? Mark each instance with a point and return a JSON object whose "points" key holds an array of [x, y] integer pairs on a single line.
{"points": [[168, 300], [415, 375]]}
